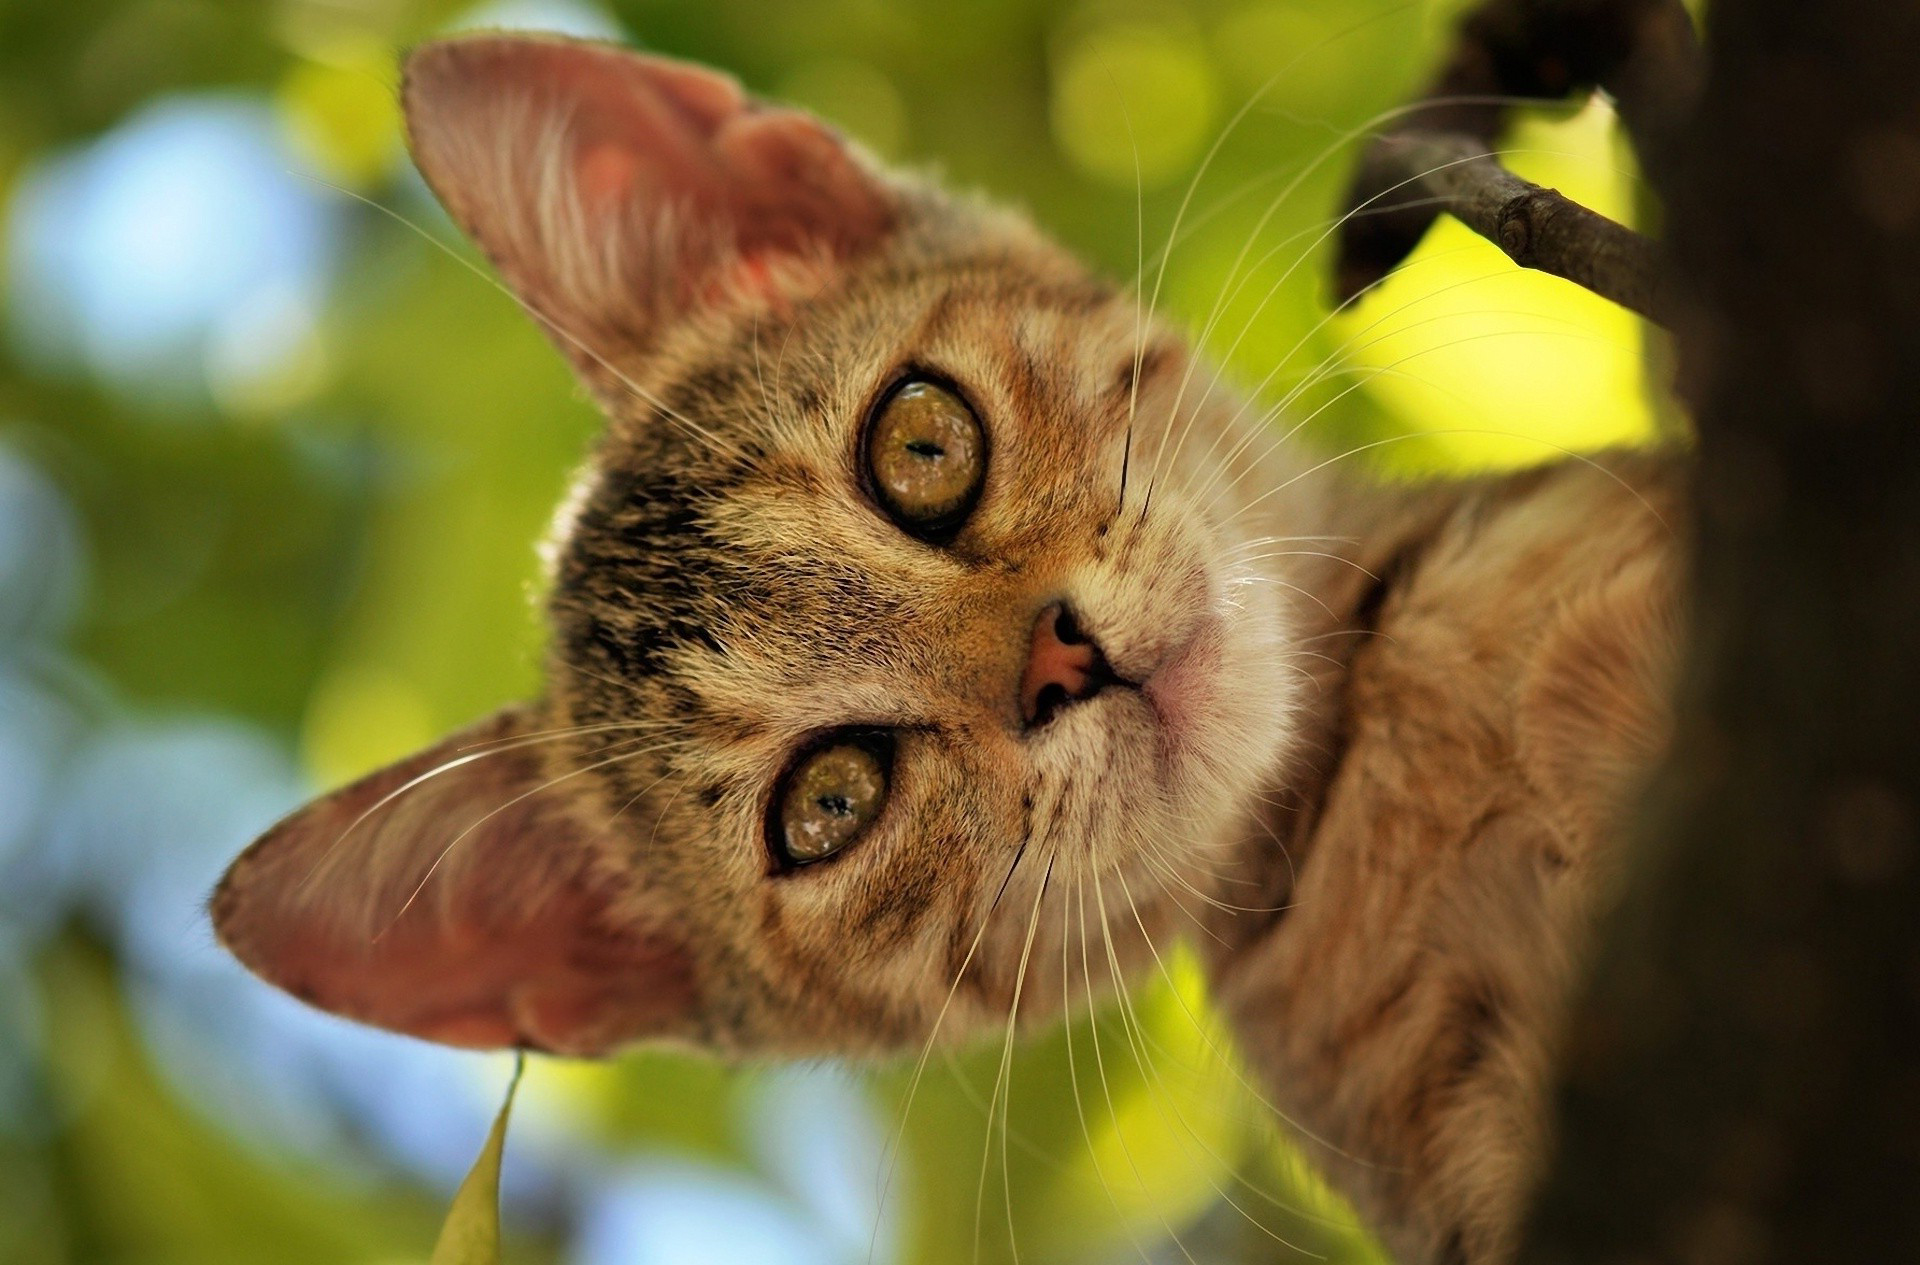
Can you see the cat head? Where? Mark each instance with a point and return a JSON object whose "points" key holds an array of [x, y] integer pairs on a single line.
{"points": [[904, 657]]}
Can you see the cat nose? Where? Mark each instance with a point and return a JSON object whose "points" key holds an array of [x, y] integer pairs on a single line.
{"points": [[1064, 666]]}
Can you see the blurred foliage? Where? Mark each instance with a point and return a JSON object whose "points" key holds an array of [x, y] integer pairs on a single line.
{"points": [[471, 1233], [333, 545], [124, 1172]]}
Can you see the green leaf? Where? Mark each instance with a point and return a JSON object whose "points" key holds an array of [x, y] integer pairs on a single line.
{"points": [[471, 1235]]}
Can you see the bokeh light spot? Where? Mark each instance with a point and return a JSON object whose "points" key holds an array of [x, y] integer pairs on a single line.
{"points": [[693, 1215], [1496, 365], [127, 252], [360, 718], [1299, 58], [342, 112], [579, 18], [267, 355], [1134, 89]]}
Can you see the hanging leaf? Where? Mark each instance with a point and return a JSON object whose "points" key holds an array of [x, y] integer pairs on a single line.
{"points": [[471, 1235]]}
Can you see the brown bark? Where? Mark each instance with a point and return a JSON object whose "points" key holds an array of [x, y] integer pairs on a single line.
{"points": [[1537, 228], [1744, 1080], [1438, 159]]}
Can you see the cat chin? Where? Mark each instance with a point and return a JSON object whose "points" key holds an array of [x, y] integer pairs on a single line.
{"points": [[1217, 733], [1227, 715]]}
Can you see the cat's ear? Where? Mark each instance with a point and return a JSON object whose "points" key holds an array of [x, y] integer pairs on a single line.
{"points": [[615, 190], [453, 896]]}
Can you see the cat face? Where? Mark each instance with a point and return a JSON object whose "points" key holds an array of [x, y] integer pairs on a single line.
{"points": [[903, 673]]}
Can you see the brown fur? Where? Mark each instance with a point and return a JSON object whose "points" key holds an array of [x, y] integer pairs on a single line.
{"points": [[737, 288], [1496, 721]]}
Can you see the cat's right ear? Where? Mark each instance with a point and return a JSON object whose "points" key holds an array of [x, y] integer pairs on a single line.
{"points": [[616, 191], [456, 896]]}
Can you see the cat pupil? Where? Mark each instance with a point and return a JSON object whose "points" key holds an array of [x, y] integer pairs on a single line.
{"points": [[926, 456], [829, 798]]}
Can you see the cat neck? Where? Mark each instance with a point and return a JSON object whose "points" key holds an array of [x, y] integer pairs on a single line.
{"points": [[1369, 533]]}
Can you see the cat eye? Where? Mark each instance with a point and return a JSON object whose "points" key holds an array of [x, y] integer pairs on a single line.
{"points": [[927, 457], [829, 798]]}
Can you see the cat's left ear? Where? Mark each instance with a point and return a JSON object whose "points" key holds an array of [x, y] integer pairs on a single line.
{"points": [[617, 191], [456, 896]]}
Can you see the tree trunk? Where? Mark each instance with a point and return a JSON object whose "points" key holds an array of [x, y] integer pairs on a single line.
{"points": [[1744, 1080]]}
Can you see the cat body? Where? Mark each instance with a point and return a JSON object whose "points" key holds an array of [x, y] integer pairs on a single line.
{"points": [[1494, 717], [931, 630]]}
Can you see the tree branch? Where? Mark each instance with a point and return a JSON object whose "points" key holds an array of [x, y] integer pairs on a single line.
{"points": [[1537, 227], [1643, 52]]}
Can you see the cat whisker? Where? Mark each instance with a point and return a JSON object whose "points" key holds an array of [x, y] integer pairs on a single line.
{"points": [[1226, 131], [1231, 289], [1202, 866], [1349, 632], [1156, 859], [1100, 1062], [1370, 373], [1073, 1065], [1326, 368], [780, 358], [1225, 1059], [1241, 581], [1165, 867], [1257, 542], [567, 731], [1143, 1039], [1026, 1145], [1150, 857], [635, 798], [1166, 255], [1002, 1085], [1333, 149], [1328, 659], [1280, 844], [473, 752], [1253, 433], [892, 1153], [760, 378], [1225, 201], [1139, 318], [654, 836], [1234, 283], [1134, 1030], [1243, 510], [1177, 887], [1307, 553], [1278, 1113], [1321, 233], [521, 797], [541, 318]]}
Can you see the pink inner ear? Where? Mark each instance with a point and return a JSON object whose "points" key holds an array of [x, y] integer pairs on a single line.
{"points": [[463, 907], [671, 167], [607, 177]]}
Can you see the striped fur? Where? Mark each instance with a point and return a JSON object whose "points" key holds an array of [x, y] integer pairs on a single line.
{"points": [[1452, 741]]}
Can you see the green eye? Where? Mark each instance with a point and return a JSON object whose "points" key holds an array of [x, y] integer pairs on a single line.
{"points": [[927, 457], [830, 798]]}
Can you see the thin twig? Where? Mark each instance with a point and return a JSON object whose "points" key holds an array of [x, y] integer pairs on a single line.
{"points": [[1644, 53], [1537, 227]]}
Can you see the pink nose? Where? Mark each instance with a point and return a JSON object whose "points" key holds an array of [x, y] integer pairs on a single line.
{"points": [[1063, 666]]}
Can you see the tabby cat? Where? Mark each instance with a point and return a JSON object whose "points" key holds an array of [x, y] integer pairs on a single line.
{"points": [[924, 625]]}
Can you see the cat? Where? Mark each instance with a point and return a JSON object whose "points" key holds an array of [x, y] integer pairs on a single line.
{"points": [[934, 639]]}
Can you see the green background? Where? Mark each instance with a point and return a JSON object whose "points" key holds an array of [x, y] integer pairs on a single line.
{"points": [[290, 536]]}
